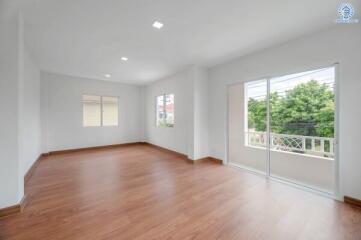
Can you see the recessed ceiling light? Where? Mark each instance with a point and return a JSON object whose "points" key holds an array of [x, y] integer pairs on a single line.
{"points": [[124, 59], [158, 25], [107, 75]]}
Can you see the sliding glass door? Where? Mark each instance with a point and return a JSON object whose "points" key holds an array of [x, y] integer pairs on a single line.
{"points": [[288, 127]]}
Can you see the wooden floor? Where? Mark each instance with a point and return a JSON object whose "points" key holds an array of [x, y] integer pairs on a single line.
{"points": [[138, 192]]}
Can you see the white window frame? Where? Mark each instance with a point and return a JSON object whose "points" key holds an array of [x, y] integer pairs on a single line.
{"points": [[165, 110], [101, 110]]}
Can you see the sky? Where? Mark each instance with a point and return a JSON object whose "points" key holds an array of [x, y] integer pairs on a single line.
{"points": [[258, 89]]}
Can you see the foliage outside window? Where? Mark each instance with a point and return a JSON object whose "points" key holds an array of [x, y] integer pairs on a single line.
{"points": [[307, 110], [301, 113], [165, 110]]}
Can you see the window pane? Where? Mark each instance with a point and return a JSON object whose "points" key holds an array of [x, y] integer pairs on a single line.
{"points": [[256, 113], [247, 121], [169, 107], [160, 111], [110, 111], [302, 109], [91, 111]]}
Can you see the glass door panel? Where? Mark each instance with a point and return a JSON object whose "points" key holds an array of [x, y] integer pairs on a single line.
{"points": [[247, 125], [302, 139]]}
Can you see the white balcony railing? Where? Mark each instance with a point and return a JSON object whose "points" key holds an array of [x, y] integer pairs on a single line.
{"points": [[317, 146]]}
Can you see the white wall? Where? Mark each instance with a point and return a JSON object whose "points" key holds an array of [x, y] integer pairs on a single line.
{"points": [[200, 108], [62, 113], [9, 77], [19, 104], [175, 138], [30, 114], [339, 44]]}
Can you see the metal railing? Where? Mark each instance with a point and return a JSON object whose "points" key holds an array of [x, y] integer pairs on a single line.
{"points": [[317, 146]]}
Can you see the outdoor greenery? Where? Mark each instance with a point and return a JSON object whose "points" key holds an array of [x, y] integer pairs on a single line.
{"points": [[307, 110]]}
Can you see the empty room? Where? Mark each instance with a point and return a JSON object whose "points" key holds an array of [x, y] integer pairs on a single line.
{"points": [[180, 119]]}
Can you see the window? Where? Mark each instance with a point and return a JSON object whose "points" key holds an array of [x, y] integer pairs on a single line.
{"points": [[100, 111], [301, 113], [165, 110], [91, 111], [110, 111]]}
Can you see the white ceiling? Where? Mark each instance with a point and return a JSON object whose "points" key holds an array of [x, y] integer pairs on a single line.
{"points": [[87, 38]]}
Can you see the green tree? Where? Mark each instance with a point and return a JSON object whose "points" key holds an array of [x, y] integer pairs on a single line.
{"points": [[307, 109], [257, 114]]}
